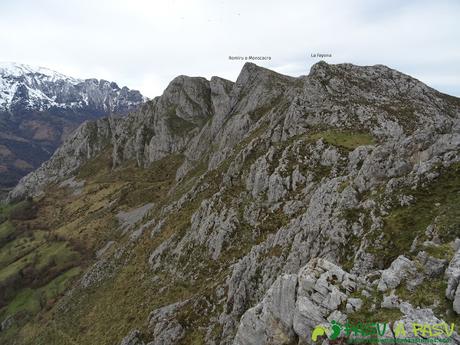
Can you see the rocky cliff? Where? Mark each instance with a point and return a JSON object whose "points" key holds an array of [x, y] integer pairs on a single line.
{"points": [[251, 212], [39, 108]]}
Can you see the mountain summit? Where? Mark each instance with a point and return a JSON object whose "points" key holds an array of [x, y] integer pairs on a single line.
{"points": [[242, 213], [40, 107], [27, 88]]}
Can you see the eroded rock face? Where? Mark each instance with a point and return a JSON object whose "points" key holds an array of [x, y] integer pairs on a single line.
{"points": [[84, 144], [295, 304], [132, 338], [271, 321], [400, 269], [194, 113], [286, 181], [163, 326], [161, 127], [453, 280]]}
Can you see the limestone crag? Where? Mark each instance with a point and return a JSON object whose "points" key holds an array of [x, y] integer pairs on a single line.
{"points": [[295, 202]]}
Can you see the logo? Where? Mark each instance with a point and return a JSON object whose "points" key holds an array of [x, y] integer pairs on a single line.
{"points": [[318, 332], [333, 332], [398, 332]]}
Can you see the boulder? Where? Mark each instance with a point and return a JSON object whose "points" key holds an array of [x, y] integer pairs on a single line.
{"points": [[399, 269]]}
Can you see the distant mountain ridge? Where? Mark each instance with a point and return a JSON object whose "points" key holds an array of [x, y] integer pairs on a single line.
{"points": [[39, 107], [23, 87]]}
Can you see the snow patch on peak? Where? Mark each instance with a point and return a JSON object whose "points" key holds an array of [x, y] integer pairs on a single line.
{"points": [[17, 70], [40, 88]]}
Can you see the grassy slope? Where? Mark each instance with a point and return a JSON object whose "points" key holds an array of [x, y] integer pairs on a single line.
{"points": [[105, 314], [35, 268], [438, 202]]}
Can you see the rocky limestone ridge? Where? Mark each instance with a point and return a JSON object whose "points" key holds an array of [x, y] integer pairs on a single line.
{"points": [[200, 118], [292, 195], [327, 192], [295, 304]]}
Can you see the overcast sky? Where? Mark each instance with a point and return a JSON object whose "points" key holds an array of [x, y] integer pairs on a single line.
{"points": [[144, 44]]}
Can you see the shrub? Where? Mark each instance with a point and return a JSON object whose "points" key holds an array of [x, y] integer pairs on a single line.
{"points": [[25, 210]]}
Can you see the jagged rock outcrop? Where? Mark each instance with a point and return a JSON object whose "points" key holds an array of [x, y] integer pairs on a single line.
{"points": [[400, 269], [295, 201], [295, 304], [163, 326], [453, 281], [179, 119], [163, 126], [84, 144], [132, 339]]}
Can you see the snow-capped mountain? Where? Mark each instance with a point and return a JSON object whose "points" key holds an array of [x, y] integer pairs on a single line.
{"points": [[39, 108], [23, 87]]}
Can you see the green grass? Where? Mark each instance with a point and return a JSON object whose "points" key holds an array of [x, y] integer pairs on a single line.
{"points": [[439, 200], [14, 268], [444, 251], [430, 294], [49, 256], [31, 301], [101, 164], [6, 231], [57, 254], [105, 314], [36, 266], [176, 124], [368, 313], [5, 208], [345, 139], [20, 247], [59, 284], [27, 300]]}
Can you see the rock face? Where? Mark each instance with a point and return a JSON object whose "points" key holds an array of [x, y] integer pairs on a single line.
{"points": [[453, 281], [400, 269], [39, 108], [295, 304], [132, 339], [279, 203], [164, 327], [82, 145], [188, 117]]}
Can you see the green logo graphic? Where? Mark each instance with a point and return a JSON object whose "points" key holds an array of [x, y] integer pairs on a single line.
{"points": [[336, 329], [318, 332]]}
